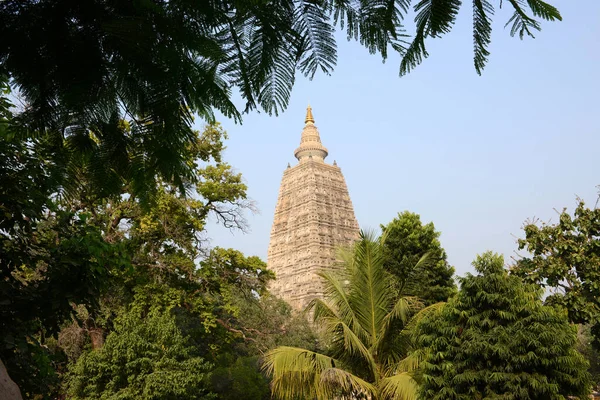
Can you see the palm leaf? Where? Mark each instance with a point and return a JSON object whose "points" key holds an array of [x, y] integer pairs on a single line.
{"points": [[335, 381], [350, 347], [337, 296], [400, 312], [297, 372], [370, 297], [369, 332], [398, 387]]}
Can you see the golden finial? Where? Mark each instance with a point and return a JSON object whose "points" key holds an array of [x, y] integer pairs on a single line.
{"points": [[309, 116]]}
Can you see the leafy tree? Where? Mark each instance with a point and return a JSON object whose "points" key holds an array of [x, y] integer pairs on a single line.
{"points": [[146, 357], [496, 339], [64, 245], [268, 322], [368, 329], [406, 241], [84, 67], [51, 257], [565, 258]]}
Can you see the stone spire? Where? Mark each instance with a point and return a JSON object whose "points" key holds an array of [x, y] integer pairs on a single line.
{"points": [[313, 216], [311, 147]]}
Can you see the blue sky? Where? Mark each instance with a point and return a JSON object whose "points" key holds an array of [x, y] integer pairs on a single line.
{"points": [[476, 155]]}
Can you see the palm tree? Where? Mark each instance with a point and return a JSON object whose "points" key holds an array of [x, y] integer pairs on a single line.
{"points": [[369, 331]]}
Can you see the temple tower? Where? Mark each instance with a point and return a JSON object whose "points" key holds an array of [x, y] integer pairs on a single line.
{"points": [[313, 216]]}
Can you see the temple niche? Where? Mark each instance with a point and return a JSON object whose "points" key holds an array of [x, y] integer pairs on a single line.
{"points": [[313, 216]]}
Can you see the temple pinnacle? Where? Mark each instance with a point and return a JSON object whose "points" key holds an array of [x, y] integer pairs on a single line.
{"points": [[309, 116], [311, 148]]}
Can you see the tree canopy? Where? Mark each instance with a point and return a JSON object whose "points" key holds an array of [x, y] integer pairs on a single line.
{"points": [[565, 258], [143, 358], [496, 339], [68, 251], [407, 240], [83, 67]]}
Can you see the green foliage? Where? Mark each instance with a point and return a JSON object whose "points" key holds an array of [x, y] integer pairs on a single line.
{"points": [[89, 255], [241, 379], [496, 339], [407, 240], [268, 322], [437, 17], [145, 357], [258, 325], [592, 355], [51, 258], [154, 64], [565, 257], [367, 326], [5, 105], [93, 251]]}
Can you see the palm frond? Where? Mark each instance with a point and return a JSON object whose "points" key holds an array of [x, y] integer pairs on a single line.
{"points": [[369, 335], [398, 387], [411, 362], [336, 381], [370, 296], [321, 310], [400, 312], [338, 297], [349, 345], [297, 373]]}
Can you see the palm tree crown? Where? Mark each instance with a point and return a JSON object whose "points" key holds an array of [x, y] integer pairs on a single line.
{"points": [[368, 329]]}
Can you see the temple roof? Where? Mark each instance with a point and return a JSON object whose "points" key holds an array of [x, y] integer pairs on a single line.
{"points": [[310, 142]]}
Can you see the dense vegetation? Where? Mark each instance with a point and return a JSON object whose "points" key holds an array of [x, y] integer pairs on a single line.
{"points": [[108, 288], [496, 339], [367, 326]]}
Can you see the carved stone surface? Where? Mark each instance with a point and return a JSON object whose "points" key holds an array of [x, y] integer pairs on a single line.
{"points": [[313, 216]]}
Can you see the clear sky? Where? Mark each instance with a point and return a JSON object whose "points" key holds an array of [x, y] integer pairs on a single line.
{"points": [[476, 155]]}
